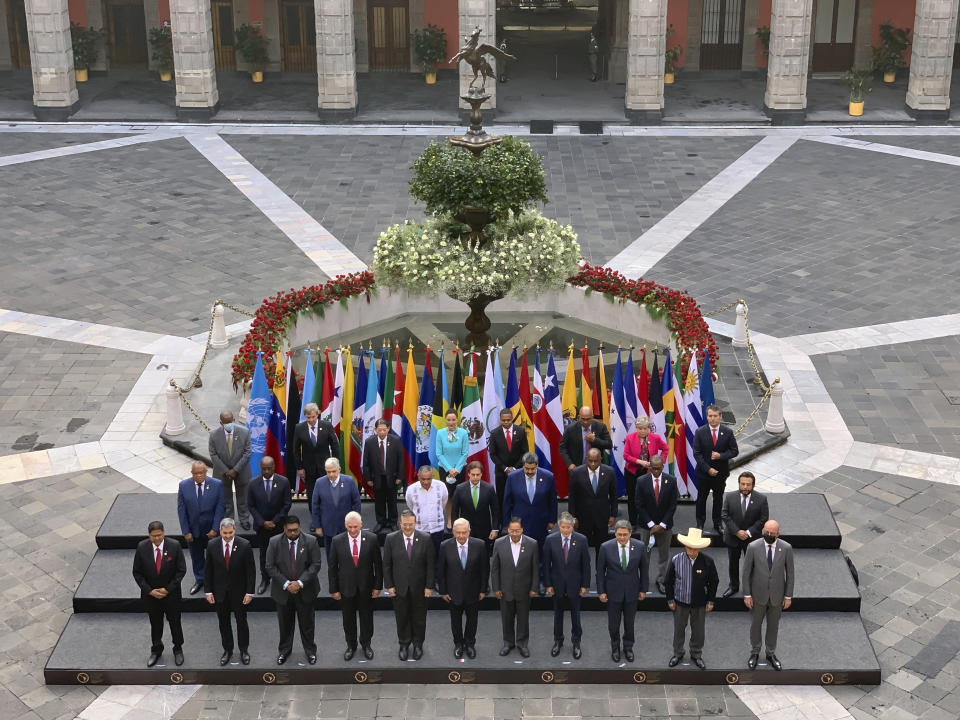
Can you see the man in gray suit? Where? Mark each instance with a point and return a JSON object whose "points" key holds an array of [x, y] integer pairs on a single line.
{"points": [[767, 588], [229, 448], [514, 577]]}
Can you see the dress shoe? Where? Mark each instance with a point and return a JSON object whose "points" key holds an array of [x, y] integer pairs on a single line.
{"points": [[471, 651], [698, 661], [717, 531], [555, 650], [312, 658], [752, 662], [225, 658], [628, 655], [505, 650], [730, 591], [577, 652], [403, 654], [417, 651], [378, 528], [615, 655], [178, 657], [674, 661], [245, 525], [368, 652], [774, 663], [458, 651], [524, 652], [348, 653], [154, 657], [661, 588], [282, 658], [244, 657], [262, 587], [197, 587]]}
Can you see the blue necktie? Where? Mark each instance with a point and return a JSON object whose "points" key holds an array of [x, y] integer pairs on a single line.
{"points": [[531, 488], [463, 556]]}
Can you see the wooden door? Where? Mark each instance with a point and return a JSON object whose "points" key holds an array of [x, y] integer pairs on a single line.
{"points": [[298, 33], [127, 35], [17, 30], [833, 33], [388, 32], [223, 52], [721, 35]]}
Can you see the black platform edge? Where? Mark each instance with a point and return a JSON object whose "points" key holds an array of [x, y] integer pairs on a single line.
{"points": [[785, 117], [591, 127], [644, 117], [45, 113], [335, 117], [541, 127], [928, 117], [197, 114]]}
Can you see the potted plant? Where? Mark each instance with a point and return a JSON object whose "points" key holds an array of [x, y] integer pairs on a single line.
{"points": [[858, 83], [161, 50], [671, 57], [86, 47], [252, 47], [888, 57], [430, 49]]}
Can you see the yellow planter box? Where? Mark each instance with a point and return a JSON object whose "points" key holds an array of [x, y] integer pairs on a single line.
{"points": [[856, 108], [668, 78], [257, 76], [431, 78], [80, 75]]}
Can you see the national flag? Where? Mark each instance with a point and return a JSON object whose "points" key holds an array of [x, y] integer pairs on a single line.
{"points": [[618, 425], [680, 433], [498, 385], [491, 405], [388, 380], [473, 422], [456, 390], [539, 416], [354, 459], [409, 417], [338, 385], [373, 406], [554, 431], [441, 403], [706, 384], [258, 415], [328, 393], [309, 378], [692, 419], [512, 398], [602, 411], [382, 381], [293, 406], [643, 386], [586, 393], [655, 394], [526, 400], [424, 419], [316, 394], [568, 402], [277, 428], [630, 393], [346, 415], [669, 414]]}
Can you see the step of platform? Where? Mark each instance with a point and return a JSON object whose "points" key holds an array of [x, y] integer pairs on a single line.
{"points": [[815, 649], [805, 519], [823, 584]]}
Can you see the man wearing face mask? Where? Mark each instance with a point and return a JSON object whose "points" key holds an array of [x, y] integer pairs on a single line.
{"points": [[229, 447], [767, 589]]}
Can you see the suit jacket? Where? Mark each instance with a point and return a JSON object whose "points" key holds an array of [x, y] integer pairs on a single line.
{"points": [[621, 585], [413, 574], [566, 578], [173, 567], [367, 576], [516, 582], [223, 459], [733, 519], [311, 459], [485, 518], [705, 579], [200, 518], [328, 508], [768, 586], [463, 585], [535, 515], [372, 463], [306, 567], [593, 511], [648, 509], [571, 444], [656, 445], [500, 456], [703, 446], [275, 506], [234, 582]]}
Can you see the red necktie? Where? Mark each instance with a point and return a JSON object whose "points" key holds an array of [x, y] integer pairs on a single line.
{"points": [[226, 555], [656, 490], [566, 549], [714, 437], [508, 435], [158, 559], [409, 549], [356, 553]]}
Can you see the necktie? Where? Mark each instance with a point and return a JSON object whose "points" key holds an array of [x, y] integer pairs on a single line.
{"points": [[230, 444], [475, 492], [313, 435], [743, 505], [409, 548], [714, 437], [508, 436], [656, 490], [531, 488], [586, 445], [463, 556], [769, 557], [293, 560], [158, 559], [199, 491], [226, 555], [623, 557], [593, 481], [383, 457], [356, 552], [566, 549], [266, 488]]}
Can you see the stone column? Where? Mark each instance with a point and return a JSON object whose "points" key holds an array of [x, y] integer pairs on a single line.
{"points": [[336, 59], [51, 59], [193, 62], [484, 14], [751, 21], [621, 42], [647, 44], [931, 59], [360, 34], [785, 99]]}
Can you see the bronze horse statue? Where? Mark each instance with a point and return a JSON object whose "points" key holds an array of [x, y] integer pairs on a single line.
{"points": [[473, 51]]}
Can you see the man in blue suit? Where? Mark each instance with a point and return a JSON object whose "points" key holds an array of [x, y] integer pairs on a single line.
{"points": [[200, 507], [333, 497], [529, 494], [621, 582], [566, 573]]}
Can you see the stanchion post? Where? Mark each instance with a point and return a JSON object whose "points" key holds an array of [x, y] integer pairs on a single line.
{"points": [[175, 424], [218, 338], [774, 423], [740, 329]]}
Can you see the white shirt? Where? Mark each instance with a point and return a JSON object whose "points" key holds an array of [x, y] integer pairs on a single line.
{"points": [[157, 547], [746, 507], [228, 545], [428, 506], [660, 481], [515, 549], [627, 548]]}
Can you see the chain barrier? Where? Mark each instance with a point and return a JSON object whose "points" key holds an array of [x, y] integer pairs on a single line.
{"points": [[195, 381]]}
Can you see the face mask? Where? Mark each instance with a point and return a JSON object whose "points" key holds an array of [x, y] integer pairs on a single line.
{"points": [[228, 427], [770, 538]]}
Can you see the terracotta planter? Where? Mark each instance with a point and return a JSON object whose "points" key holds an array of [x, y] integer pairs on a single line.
{"points": [[431, 78], [257, 76], [668, 78], [80, 75], [889, 77], [856, 108], [165, 76]]}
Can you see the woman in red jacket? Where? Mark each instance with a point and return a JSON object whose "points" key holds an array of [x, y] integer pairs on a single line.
{"points": [[637, 451]]}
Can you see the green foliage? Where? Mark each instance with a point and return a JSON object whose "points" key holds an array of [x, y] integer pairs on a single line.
{"points": [[763, 35], [858, 83], [430, 47], [505, 177], [251, 45], [86, 45], [671, 55], [161, 48], [888, 56]]}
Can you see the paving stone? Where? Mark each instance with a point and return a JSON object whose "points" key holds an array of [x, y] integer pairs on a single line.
{"points": [[17, 143]]}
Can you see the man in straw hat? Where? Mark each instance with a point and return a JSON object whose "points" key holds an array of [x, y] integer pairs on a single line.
{"points": [[691, 585]]}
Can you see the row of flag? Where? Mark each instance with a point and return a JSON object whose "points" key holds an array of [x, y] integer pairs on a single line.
{"points": [[353, 398]]}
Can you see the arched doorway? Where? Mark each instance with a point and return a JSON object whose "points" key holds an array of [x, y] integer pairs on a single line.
{"points": [[833, 32], [721, 35], [126, 35]]}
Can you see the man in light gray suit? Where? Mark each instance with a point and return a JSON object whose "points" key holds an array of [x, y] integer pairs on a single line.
{"points": [[514, 578], [767, 589], [229, 447]]}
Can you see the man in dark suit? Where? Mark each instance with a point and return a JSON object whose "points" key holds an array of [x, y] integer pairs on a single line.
{"points": [[691, 593], [269, 500], [476, 501], [356, 576], [383, 466], [228, 583], [293, 562], [333, 497], [714, 446], [582, 435], [531, 496], [593, 499], [229, 448], [566, 572], [314, 441], [463, 573], [200, 509], [514, 579], [621, 582], [744, 514], [767, 589], [507, 446], [408, 575], [158, 569], [656, 503]]}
